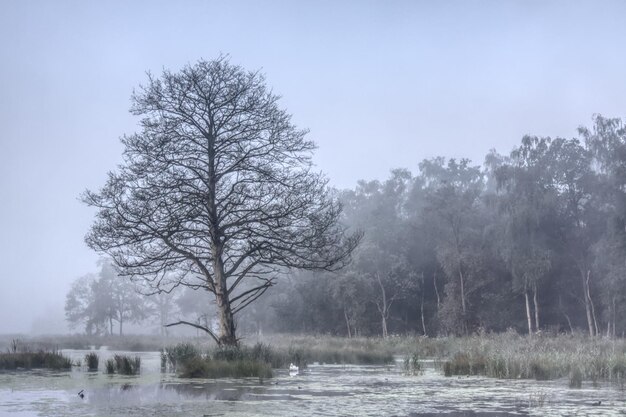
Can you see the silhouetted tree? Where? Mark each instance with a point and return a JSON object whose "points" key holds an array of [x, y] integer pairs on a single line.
{"points": [[218, 187]]}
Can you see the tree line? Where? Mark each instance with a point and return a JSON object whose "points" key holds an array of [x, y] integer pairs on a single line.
{"points": [[533, 240], [217, 194]]}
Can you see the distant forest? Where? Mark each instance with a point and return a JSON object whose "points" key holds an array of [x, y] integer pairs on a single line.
{"points": [[533, 240]]}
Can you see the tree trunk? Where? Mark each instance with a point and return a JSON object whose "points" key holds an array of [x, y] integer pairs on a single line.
{"points": [[436, 289], [422, 315], [384, 309], [121, 321], [227, 322], [345, 315], [536, 305], [614, 316], [384, 325], [587, 304], [528, 314], [462, 281], [593, 309], [110, 325]]}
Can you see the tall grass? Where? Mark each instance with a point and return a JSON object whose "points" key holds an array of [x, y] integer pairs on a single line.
{"points": [[20, 355], [92, 359], [336, 350], [220, 362], [174, 355], [132, 343], [123, 364], [509, 355]]}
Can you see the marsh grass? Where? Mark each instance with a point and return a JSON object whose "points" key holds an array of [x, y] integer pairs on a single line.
{"points": [[511, 356], [412, 364], [91, 360], [576, 378], [20, 356], [129, 343], [127, 365], [109, 366], [258, 360], [177, 354], [220, 362], [302, 350], [123, 365], [506, 355]]}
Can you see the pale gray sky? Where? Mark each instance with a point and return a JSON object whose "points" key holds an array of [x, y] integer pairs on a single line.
{"points": [[380, 84]]}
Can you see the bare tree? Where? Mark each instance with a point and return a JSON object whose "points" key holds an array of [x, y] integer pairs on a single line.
{"points": [[218, 187]]}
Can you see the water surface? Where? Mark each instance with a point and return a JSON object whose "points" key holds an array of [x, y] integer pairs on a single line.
{"points": [[321, 390]]}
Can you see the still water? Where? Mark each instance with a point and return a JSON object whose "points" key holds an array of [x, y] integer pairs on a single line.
{"points": [[321, 390]]}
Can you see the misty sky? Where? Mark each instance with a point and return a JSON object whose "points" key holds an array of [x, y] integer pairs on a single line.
{"points": [[379, 84]]}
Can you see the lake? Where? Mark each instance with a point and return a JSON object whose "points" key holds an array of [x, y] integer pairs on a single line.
{"points": [[320, 390]]}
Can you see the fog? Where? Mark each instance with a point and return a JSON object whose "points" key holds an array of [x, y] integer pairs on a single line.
{"points": [[379, 85]]}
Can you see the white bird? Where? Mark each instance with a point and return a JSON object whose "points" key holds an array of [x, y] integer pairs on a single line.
{"points": [[293, 368]]}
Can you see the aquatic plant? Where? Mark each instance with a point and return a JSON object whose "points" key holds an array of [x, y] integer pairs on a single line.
{"points": [[109, 366], [123, 364], [575, 378], [91, 360], [127, 365], [39, 359], [510, 355], [177, 354], [412, 364]]}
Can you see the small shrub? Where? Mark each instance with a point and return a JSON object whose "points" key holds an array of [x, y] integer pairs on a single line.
{"points": [[92, 360]]}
